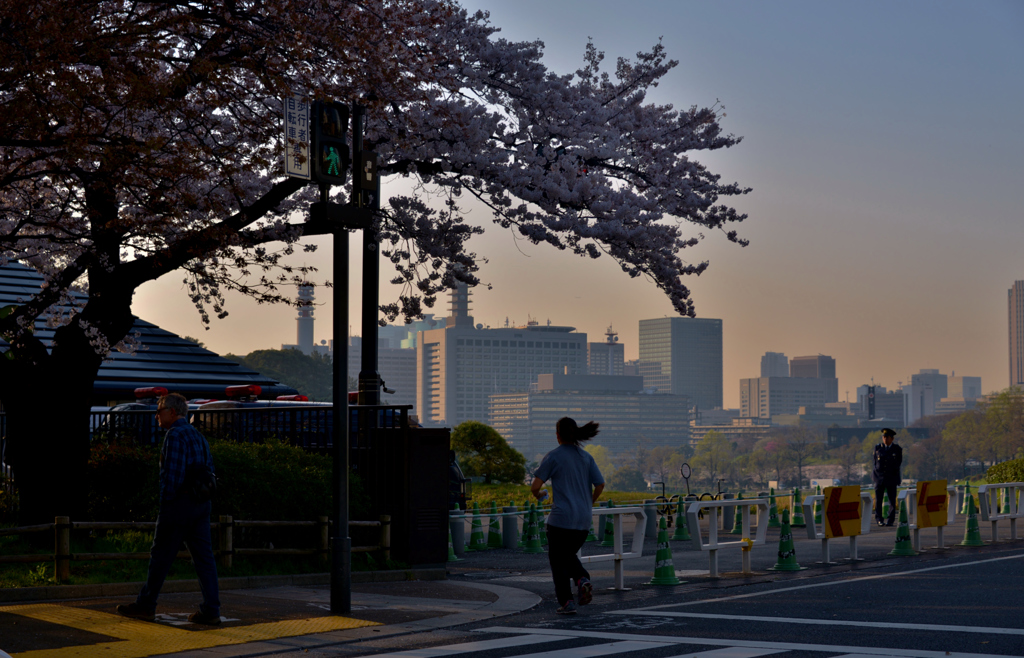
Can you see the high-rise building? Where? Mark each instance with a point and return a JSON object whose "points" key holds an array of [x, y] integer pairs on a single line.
{"points": [[764, 397], [627, 415], [918, 401], [1016, 311], [607, 358], [460, 365], [933, 378], [818, 366], [683, 356], [964, 387], [774, 364], [396, 366]]}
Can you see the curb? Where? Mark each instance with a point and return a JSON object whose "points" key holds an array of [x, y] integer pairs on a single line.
{"points": [[60, 592]]}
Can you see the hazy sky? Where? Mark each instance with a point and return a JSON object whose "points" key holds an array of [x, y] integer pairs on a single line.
{"points": [[884, 142]]}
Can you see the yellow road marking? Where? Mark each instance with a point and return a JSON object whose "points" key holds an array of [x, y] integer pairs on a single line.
{"points": [[138, 639]]}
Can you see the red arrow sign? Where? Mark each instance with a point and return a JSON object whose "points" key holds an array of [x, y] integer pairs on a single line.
{"points": [[836, 512], [931, 503]]}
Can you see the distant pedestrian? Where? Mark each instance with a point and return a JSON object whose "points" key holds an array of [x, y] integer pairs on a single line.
{"points": [[886, 475], [181, 518], [577, 483]]}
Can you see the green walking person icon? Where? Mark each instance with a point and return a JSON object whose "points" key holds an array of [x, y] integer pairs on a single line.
{"points": [[333, 160]]}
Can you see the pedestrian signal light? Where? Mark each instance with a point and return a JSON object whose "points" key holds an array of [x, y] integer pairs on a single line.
{"points": [[330, 143]]}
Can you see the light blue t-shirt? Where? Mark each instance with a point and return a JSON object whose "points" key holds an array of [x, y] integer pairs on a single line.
{"points": [[573, 474]]}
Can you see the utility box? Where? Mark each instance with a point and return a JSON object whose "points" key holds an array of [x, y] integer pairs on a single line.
{"points": [[404, 473]]}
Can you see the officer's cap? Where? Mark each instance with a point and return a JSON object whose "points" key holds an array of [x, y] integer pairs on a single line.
{"points": [[888, 432]]}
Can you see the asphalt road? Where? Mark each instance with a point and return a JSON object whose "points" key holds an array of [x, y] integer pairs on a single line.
{"points": [[963, 604]]}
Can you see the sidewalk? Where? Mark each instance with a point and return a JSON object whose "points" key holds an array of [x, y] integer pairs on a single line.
{"points": [[483, 585]]}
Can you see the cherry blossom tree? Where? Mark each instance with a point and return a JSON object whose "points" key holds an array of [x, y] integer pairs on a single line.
{"points": [[140, 139]]}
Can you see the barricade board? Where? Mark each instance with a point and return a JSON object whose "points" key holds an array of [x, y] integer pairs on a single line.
{"points": [[932, 504], [842, 511]]}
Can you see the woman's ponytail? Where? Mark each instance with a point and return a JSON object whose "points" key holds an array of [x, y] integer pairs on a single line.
{"points": [[572, 434]]}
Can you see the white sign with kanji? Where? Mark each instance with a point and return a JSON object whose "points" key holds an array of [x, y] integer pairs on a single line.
{"points": [[296, 138]]}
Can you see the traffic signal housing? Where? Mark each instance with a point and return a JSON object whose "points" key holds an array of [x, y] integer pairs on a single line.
{"points": [[330, 143]]}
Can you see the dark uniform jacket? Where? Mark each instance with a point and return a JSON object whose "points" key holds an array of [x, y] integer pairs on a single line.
{"points": [[887, 464]]}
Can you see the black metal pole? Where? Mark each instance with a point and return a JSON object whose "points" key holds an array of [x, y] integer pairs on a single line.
{"points": [[369, 378], [341, 543]]}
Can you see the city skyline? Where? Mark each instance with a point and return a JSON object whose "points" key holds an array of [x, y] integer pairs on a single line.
{"points": [[882, 144]]}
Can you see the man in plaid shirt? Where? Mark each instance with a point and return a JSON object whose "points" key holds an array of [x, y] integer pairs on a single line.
{"points": [[180, 518]]}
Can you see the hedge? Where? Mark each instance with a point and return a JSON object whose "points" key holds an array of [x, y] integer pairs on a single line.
{"points": [[258, 481], [1009, 471]]}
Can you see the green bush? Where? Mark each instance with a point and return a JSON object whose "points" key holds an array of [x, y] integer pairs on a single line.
{"points": [[1010, 471], [256, 481]]}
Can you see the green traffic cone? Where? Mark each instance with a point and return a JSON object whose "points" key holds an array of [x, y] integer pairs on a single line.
{"points": [[798, 510], [664, 570], [885, 506], [787, 551], [967, 495], [493, 529], [682, 532], [609, 527], [532, 533], [590, 531], [903, 547], [972, 534], [773, 511], [1006, 502], [526, 523], [452, 557], [477, 541], [737, 524], [817, 508]]}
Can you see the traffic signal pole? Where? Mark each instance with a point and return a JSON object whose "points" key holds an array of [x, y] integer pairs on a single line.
{"points": [[362, 197], [341, 543]]}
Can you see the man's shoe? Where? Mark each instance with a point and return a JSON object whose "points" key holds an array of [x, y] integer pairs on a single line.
{"points": [[889, 523], [880, 523], [204, 619], [568, 609], [584, 591], [135, 611]]}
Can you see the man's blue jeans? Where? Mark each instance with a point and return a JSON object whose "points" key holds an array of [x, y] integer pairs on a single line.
{"points": [[179, 520]]}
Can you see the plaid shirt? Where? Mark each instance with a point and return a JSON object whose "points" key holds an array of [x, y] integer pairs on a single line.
{"points": [[183, 445]]}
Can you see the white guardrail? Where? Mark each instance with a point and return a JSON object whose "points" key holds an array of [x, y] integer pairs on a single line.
{"points": [[812, 529], [910, 495], [989, 496], [712, 545], [618, 555]]}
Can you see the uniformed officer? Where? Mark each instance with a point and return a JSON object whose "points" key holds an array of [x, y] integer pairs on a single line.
{"points": [[886, 474]]}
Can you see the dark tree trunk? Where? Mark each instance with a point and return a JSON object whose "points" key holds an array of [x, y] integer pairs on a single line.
{"points": [[47, 408]]}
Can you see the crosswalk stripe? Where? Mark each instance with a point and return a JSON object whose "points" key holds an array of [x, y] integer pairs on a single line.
{"points": [[735, 652], [599, 650], [836, 649], [469, 647]]}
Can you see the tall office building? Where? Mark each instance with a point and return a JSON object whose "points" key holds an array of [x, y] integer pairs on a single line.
{"points": [[774, 364], [931, 377], [964, 387], [683, 356], [764, 397], [1016, 311], [627, 414], [607, 358], [818, 366], [460, 365]]}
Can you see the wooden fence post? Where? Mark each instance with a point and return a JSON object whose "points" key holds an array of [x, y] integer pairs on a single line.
{"points": [[227, 544], [324, 545], [62, 548], [385, 538]]}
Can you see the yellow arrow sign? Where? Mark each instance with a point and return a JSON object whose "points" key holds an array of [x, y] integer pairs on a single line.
{"points": [[932, 503], [842, 511]]}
